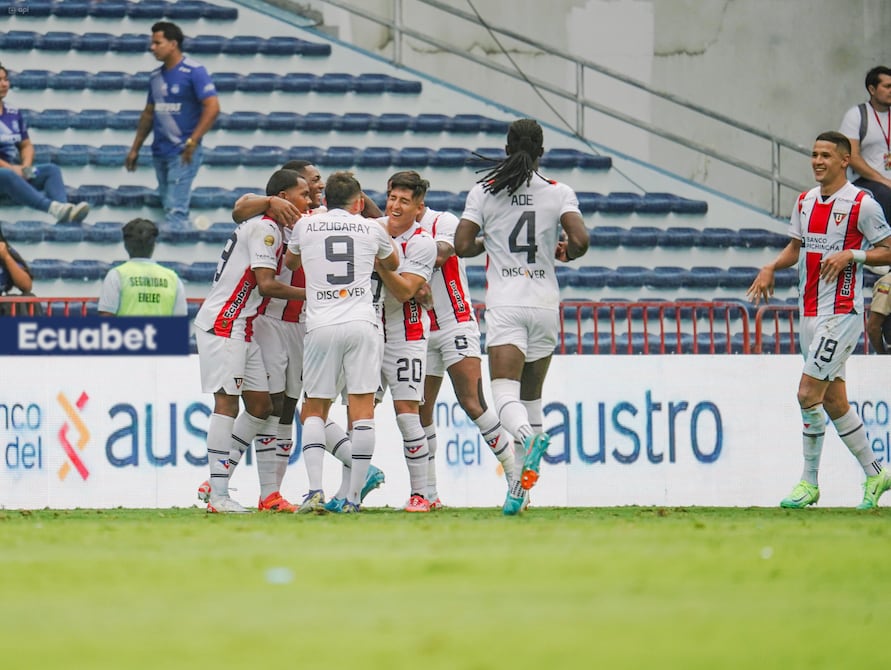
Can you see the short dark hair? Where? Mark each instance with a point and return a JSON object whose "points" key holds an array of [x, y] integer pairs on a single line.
{"points": [[3, 67], [872, 77], [139, 237], [282, 180], [837, 139], [340, 189], [297, 166], [410, 180], [171, 32]]}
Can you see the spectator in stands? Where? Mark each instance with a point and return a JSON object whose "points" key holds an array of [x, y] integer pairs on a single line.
{"points": [[38, 186], [14, 274], [831, 227], [182, 106], [879, 310], [520, 214], [868, 127], [141, 287]]}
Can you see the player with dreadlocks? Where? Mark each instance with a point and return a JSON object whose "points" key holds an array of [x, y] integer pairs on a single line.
{"points": [[520, 215]]}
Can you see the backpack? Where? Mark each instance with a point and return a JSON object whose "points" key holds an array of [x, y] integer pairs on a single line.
{"points": [[863, 120]]}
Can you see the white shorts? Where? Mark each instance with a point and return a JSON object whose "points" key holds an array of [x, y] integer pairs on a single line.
{"points": [[451, 345], [229, 365], [533, 330], [827, 342], [281, 343], [348, 352], [403, 369]]}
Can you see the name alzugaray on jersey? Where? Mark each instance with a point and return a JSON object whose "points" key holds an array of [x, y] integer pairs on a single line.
{"points": [[338, 226]]}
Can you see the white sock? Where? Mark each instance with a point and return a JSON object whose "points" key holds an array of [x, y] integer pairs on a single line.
{"points": [[430, 434], [284, 445], [499, 442], [414, 446], [533, 411], [314, 450], [244, 430], [853, 434], [363, 450], [338, 444], [264, 448], [219, 434], [511, 412], [813, 430]]}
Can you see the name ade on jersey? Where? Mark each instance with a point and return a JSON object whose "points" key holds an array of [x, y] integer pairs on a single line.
{"points": [[339, 227]]}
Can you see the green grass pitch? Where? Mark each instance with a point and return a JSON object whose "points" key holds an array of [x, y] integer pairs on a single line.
{"points": [[460, 588]]}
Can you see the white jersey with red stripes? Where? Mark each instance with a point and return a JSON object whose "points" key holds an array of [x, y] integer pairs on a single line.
{"points": [[279, 308], [520, 234], [408, 321], [451, 295], [847, 219], [337, 251], [233, 299]]}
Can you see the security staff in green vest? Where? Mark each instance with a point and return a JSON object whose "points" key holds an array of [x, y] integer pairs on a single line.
{"points": [[141, 287]]}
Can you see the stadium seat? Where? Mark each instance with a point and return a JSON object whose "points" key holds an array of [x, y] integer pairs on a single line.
{"points": [[103, 232], [50, 119], [739, 277], [664, 277], [218, 233], [131, 42], [90, 119], [404, 86], [758, 238], [73, 154], [24, 231], [567, 343], [703, 277], [295, 82], [476, 276], [339, 157], [626, 276], [45, 153], [677, 237], [375, 157], [127, 196], [438, 200], [319, 122], [574, 309], [107, 81], [263, 156], [204, 44], [392, 123], [184, 10], [85, 269], [258, 82], [656, 203], [170, 235], [284, 121], [94, 194], [687, 206], [242, 45], [786, 278], [223, 155], [315, 49], [124, 120], [246, 121], [18, 40], [71, 9], [450, 157], [210, 197], [467, 124], [65, 232], [371, 83], [607, 237], [429, 123], [564, 274], [179, 268], [200, 272], [590, 276], [46, 268], [333, 82], [560, 158], [717, 238], [214, 12], [619, 202], [489, 156], [55, 40], [303, 153], [109, 9], [413, 157], [354, 122], [590, 202], [30, 80], [94, 42], [68, 80], [640, 236], [281, 46]]}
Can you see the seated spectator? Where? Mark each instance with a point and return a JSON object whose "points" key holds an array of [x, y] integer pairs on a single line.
{"points": [[14, 274], [37, 186], [141, 287]]}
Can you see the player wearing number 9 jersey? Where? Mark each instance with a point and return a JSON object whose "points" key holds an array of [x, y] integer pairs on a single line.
{"points": [[519, 214], [337, 250]]}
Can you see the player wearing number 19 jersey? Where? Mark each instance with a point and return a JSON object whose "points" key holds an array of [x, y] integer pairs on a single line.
{"points": [[519, 214]]}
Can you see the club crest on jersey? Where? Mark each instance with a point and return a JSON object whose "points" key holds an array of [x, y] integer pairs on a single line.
{"points": [[839, 217], [238, 382], [269, 240]]}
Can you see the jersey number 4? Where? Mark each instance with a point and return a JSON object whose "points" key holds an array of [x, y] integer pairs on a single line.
{"points": [[526, 223]]}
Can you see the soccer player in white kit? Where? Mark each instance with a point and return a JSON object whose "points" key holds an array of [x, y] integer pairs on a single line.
{"points": [[337, 250], [832, 226], [407, 325], [230, 361], [520, 214]]}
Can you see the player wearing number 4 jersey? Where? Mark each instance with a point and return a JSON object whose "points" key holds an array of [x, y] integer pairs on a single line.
{"points": [[337, 250], [520, 214], [832, 226]]}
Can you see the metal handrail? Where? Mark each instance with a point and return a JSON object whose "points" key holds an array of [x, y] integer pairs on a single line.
{"points": [[772, 173]]}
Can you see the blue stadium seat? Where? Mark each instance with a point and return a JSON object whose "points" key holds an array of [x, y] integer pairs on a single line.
{"points": [[92, 193], [450, 157], [37, 9], [758, 238], [73, 154], [127, 196], [226, 82], [319, 122], [107, 81], [18, 40], [281, 46], [459, 200], [170, 235], [739, 277], [371, 83], [263, 156], [627, 276], [476, 276], [46, 268], [620, 202], [605, 236], [468, 124], [90, 119], [180, 269], [315, 49], [375, 157], [85, 269], [124, 120], [24, 231], [184, 10], [640, 236], [490, 153], [677, 237], [55, 40], [404, 86], [656, 203], [665, 277], [413, 157], [577, 308], [151, 197], [45, 153], [379, 198], [138, 81], [439, 200], [131, 42], [247, 121], [204, 44], [109, 9], [30, 80], [595, 162], [687, 206], [786, 278], [303, 153], [590, 276], [200, 272], [210, 197], [223, 155], [71, 9], [560, 158], [258, 82], [242, 45], [334, 82], [68, 80], [103, 232], [429, 123], [590, 202], [65, 232], [567, 343], [218, 233], [717, 238], [354, 122], [284, 121], [391, 122], [703, 277], [339, 157], [596, 344], [565, 274], [295, 82], [214, 12], [51, 119], [94, 42]]}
